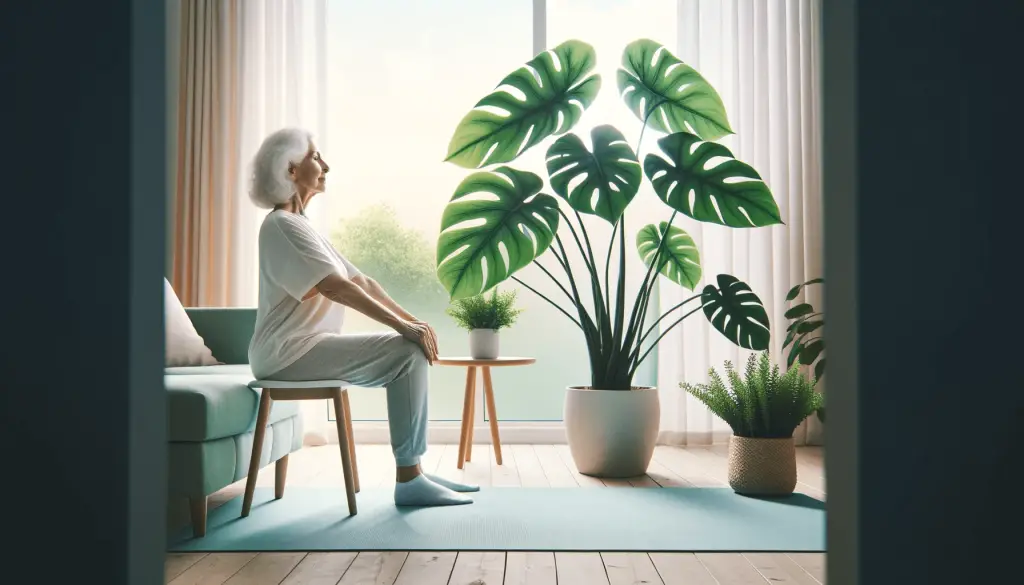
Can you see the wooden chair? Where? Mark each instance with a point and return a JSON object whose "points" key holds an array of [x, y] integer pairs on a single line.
{"points": [[311, 390]]}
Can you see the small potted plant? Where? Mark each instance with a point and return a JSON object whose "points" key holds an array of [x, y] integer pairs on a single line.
{"points": [[763, 408], [484, 317]]}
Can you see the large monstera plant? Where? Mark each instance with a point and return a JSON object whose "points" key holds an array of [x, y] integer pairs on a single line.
{"points": [[499, 221]]}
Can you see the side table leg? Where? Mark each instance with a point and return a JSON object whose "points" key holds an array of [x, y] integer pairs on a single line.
{"points": [[472, 418], [492, 413], [467, 414]]}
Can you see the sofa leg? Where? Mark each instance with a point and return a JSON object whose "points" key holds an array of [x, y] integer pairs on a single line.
{"points": [[257, 450], [280, 473], [197, 506]]}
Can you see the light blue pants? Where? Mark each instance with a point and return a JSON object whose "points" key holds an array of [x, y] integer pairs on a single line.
{"points": [[373, 360]]}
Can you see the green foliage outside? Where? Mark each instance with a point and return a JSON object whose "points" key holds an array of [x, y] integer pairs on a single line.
{"points": [[482, 312], [399, 258], [761, 404]]}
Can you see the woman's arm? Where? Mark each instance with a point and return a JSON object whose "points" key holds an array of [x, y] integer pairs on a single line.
{"points": [[375, 290], [347, 292]]}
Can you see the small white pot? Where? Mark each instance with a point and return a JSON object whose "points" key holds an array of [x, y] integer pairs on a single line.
{"points": [[612, 433], [483, 344]]}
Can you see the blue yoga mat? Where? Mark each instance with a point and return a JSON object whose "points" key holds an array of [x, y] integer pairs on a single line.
{"points": [[511, 518]]}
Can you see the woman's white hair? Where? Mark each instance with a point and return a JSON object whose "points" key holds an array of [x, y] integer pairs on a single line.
{"points": [[271, 184]]}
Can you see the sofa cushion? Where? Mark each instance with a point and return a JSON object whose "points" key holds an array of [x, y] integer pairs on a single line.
{"points": [[207, 406], [183, 345]]}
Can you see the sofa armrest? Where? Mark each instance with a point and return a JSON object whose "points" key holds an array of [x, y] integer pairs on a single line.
{"points": [[226, 331]]}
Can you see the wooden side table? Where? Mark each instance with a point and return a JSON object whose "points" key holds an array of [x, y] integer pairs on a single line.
{"points": [[469, 403]]}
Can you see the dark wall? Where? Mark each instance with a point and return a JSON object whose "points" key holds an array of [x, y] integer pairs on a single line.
{"points": [[924, 160], [81, 390]]}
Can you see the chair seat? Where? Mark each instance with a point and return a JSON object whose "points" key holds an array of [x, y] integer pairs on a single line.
{"points": [[304, 384]]}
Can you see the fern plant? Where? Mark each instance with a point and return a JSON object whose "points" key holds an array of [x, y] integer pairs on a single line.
{"points": [[481, 312], [762, 404]]}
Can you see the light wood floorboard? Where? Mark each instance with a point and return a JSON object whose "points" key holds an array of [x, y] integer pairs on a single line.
{"points": [[526, 466]]}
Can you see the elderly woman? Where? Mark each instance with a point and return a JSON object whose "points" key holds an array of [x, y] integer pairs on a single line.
{"points": [[305, 286]]}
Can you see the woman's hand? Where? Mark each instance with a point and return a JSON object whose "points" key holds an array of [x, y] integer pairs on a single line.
{"points": [[433, 335], [421, 334]]}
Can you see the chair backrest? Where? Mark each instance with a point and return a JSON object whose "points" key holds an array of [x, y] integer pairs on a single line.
{"points": [[227, 331]]}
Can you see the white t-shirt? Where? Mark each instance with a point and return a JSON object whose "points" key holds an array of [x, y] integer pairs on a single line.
{"points": [[293, 258]]}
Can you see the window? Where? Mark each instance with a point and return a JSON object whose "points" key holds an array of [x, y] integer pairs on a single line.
{"points": [[400, 77]]}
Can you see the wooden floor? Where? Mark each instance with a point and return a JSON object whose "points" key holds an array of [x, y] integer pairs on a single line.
{"points": [[526, 466]]}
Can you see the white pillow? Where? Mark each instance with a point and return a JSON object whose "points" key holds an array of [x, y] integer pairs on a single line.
{"points": [[184, 346]]}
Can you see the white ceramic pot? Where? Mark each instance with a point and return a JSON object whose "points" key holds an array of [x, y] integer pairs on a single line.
{"points": [[483, 344], [612, 433]]}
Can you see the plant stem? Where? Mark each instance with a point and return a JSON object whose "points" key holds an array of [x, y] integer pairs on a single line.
{"points": [[553, 279], [584, 315], [654, 280], [587, 324], [608, 260], [620, 300], [579, 244], [600, 304], [561, 262], [586, 238], [655, 344], [553, 303], [643, 295], [661, 318], [594, 282], [640, 140]]}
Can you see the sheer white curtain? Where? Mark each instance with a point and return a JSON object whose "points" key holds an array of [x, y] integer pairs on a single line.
{"points": [[242, 69], [283, 73], [763, 58]]}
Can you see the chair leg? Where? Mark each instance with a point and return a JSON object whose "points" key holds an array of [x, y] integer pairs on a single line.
{"points": [[492, 413], [351, 438], [346, 455], [280, 473], [257, 450], [197, 506]]}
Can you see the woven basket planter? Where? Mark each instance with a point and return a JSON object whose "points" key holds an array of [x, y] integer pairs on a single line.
{"points": [[762, 467]]}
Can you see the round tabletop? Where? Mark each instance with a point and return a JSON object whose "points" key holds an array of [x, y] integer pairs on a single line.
{"points": [[498, 361]]}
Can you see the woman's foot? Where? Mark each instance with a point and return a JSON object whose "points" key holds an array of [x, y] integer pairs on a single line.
{"points": [[452, 485], [420, 491]]}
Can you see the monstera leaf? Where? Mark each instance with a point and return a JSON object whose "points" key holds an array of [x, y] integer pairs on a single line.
{"points": [[737, 313], [680, 260], [492, 211], [729, 193], [602, 182], [670, 95], [543, 98]]}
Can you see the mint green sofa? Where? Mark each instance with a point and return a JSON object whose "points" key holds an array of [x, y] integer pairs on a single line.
{"points": [[212, 414]]}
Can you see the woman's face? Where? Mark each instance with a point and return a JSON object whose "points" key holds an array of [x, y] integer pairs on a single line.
{"points": [[310, 174]]}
